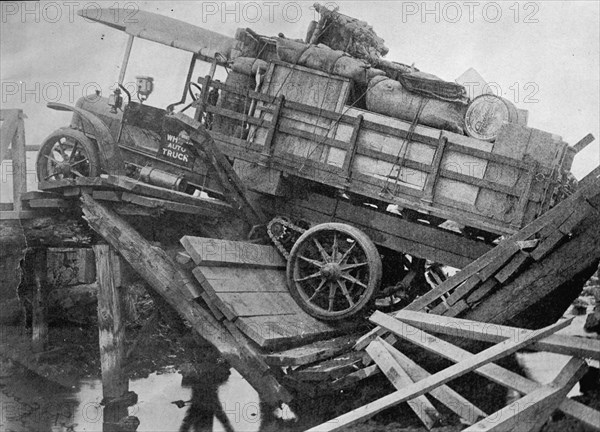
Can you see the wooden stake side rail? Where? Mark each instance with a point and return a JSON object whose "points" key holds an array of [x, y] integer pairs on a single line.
{"points": [[347, 177]]}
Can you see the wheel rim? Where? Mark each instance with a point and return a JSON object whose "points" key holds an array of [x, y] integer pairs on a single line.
{"points": [[66, 158], [334, 273]]}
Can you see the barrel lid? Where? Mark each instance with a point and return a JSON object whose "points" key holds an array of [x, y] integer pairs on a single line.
{"points": [[486, 114]]}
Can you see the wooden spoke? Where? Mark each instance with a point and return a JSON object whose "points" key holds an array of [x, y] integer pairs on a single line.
{"points": [[61, 150], [51, 158], [311, 261], [312, 276], [334, 248], [332, 290], [347, 253], [73, 151], [353, 280], [77, 173], [342, 285], [347, 267], [78, 162], [50, 176], [324, 254], [318, 290]]}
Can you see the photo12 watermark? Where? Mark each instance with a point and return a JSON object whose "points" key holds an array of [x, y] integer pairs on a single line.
{"points": [[69, 11], [470, 12]]}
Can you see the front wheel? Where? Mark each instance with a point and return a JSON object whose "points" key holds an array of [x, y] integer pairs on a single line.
{"points": [[67, 153], [333, 271]]}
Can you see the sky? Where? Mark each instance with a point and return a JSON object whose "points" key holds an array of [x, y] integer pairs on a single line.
{"points": [[543, 56]]}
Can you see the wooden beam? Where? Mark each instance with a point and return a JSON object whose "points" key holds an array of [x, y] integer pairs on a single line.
{"points": [[19, 163], [583, 142], [497, 374], [39, 323], [455, 402], [111, 328], [424, 386], [399, 378], [163, 275], [494, 333], [529, 413]]}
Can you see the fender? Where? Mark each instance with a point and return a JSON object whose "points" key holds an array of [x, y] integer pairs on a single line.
{"points": [[110, 154]]}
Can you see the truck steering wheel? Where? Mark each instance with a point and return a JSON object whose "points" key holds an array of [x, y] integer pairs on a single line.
{"points": [[198, 87], [171, 108]]}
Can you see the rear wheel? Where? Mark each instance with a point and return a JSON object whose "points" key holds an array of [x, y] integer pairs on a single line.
{"points": [[333, 271], [67, 154]]}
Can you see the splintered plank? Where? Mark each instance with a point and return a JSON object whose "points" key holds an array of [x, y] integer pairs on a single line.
{"points": [[488, 332], [529, 413], [455, 402], [311, 353], [286, 330], [421, 406], [215, 252], [331, 369], [424, 386]]}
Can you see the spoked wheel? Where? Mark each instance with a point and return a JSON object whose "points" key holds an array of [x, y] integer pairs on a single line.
{"points": [[333, 271], [67, 153]]}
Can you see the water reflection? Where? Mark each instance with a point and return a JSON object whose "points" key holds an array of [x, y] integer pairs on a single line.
{"points": [[205, 405]]}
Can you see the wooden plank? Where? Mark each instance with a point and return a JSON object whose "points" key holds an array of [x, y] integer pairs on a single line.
{"points": [[269, 146], [211, 209], [214, 252], [583, 142], [50, 203], [490, 269], [245, 279], [110, 322], [107, 195], [434, 174], [353, 378], [516, 264], [10, 122], [55, 185], [248, 304], [451, 399], [331, 369], [463, 289], [164, 276], [311, 353], [494, 333], [498, 374], [529, 413], [38, 195], [485, 289], [547, 245], [352, 147], [286, 330], [19, 163], [420, 405], [424, 386]]}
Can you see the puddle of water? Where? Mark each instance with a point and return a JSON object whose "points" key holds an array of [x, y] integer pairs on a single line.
{"points": [[31, 403]]}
